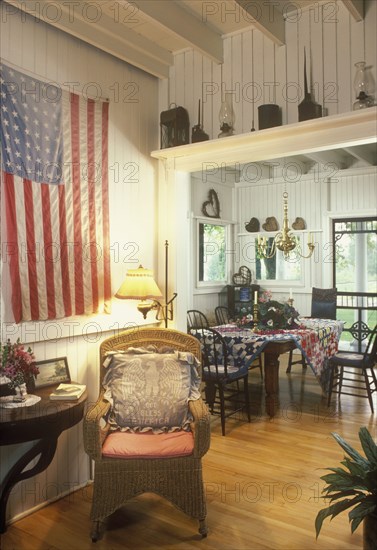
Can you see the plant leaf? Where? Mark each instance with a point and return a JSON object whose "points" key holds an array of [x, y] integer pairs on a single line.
{"points": [[341, 479], [333, 511], [369, 446], [342, 494], [365, 507], [371, 481], [350, 450], [362, 510], [354, 467]]}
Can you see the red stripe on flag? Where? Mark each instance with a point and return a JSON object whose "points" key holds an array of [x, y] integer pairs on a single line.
{"points": [[79, 281], [92, 204], [31, 250], [105, 203], [12, 246], [49, 248], [64, 258]]}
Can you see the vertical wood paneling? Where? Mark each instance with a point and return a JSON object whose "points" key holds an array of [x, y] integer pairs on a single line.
{"points": [[344, 63], [291, 93], [358, 45], [40, 60], [280, 75], [304, 46], [258, 72], [237, 82], [211, 115], [370, 24], [269, 68], [351, 193], [194, 87], [333, 41], [330, 26], [246, 81], [27, 40]]}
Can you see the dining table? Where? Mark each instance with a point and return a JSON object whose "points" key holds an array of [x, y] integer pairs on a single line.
{"points": [[317, 339]]}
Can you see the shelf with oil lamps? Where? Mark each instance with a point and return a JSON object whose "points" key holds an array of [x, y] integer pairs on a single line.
{"points": [[283, 240]]}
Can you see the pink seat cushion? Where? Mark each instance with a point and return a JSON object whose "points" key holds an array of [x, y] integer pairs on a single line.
{"points": [[148, 445]]}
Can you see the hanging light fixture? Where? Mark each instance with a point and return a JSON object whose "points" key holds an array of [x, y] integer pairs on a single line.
{"points": [[283, 241]]}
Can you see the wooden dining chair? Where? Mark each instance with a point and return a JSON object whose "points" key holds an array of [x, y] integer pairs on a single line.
{"points": [[323, 307], [222, 315], [352, 372], [222, 318], [222, 376], [196, 319]]}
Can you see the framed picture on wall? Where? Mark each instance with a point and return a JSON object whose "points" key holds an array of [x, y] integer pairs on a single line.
{"points": [[51, 372]]}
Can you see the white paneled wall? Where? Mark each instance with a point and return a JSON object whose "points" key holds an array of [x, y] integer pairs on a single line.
{"points": [[260, 72], [36, 48], [201, 183]]}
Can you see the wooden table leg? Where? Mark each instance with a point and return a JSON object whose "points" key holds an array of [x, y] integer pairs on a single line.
{"points": [[45, 449], [271, 382]]}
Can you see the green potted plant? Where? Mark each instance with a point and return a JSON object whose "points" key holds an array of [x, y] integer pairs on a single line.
{"points": [[354, 487]]}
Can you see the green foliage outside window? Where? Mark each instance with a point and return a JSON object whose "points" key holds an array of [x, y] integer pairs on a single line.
{"points": [[212, 261]]}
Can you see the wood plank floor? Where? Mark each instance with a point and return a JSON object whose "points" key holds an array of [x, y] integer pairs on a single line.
{"points": [[262, 484]]}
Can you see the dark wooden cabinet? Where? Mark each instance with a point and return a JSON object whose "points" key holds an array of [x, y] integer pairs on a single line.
{"points": [[238, 299]]}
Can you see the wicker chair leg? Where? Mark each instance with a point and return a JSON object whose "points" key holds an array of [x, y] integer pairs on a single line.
{"points": [[203, 529], [97, 531]]}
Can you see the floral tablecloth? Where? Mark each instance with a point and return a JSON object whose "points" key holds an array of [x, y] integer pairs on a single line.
{"points": [[316, 338]]}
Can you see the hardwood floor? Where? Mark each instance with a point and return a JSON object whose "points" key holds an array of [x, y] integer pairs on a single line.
{"points": [[262, 484]]}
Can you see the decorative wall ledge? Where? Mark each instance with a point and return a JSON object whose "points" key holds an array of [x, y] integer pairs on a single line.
{"points": [[351, 133]]}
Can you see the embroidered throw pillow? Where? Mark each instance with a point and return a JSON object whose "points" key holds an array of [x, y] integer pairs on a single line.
{"points": [[149, 390]]}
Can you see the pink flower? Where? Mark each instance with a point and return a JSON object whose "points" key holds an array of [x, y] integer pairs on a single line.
{"points": [[16, 363]]}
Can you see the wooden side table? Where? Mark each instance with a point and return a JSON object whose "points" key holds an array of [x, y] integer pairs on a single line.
{"points": [[42, 423]]}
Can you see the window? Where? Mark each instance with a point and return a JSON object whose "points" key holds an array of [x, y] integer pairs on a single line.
{"points": [[355, 261], [278, 268], [355, 276], [212, 265]]}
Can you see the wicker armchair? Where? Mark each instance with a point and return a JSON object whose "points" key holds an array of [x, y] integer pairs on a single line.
{"points": [[116, 480]]}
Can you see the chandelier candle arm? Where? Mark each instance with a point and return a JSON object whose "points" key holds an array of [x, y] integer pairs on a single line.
{"points": [[284, 240]]}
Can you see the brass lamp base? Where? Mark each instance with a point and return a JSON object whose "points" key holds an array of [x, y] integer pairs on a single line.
{"points": [[145, 307]]}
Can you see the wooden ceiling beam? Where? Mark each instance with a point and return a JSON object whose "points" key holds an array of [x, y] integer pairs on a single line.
{"points": [[265, 17], [117, 40], [180, 22], [356, 8]]}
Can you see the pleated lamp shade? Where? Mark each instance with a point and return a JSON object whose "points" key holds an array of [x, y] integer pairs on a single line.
{"points": [[139, 284]]}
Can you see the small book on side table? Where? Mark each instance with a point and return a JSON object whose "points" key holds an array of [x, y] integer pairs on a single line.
{"points": [[68, 392]]}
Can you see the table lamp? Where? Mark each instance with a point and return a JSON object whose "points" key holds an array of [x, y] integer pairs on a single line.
{"points": [[139, 284]]}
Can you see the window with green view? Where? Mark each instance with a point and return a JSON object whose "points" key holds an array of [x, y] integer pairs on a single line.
{"points": [[212, 258]]}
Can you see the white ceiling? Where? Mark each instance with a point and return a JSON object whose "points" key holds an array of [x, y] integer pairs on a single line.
{"points": [[146, 33]]}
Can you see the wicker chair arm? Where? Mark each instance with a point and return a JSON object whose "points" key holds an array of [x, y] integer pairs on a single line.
{"points": [[94, 434], [200, 427]]}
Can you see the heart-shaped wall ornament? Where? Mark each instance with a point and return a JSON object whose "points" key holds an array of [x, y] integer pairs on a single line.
{"points": [[211, 207], [253, 225], [243, 276], [298, 224], [271, 224]]}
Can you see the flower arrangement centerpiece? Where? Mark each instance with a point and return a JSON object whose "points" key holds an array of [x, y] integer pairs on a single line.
{"points": [[274, 315], [245, 320], [17, 364]]}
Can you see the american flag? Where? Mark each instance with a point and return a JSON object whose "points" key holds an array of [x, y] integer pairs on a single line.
{"points": [[55, 189]]}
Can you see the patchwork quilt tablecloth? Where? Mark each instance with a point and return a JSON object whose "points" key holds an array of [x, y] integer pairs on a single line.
{"points": [[316, 338]]}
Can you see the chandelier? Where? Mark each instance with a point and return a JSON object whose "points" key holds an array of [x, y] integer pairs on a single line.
{"points": [[283, 241]]}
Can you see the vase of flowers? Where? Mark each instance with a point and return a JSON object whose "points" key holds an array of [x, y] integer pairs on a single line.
{"points": [[18, 367]]}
